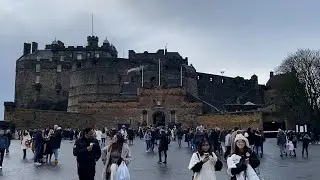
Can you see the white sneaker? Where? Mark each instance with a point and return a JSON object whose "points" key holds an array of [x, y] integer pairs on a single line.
{"points": [[37, 164], [0, 167]]}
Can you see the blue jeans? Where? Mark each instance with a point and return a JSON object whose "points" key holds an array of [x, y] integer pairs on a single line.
{"points": [[149, 145], [257, 148], [56, 154], [37, 157]]}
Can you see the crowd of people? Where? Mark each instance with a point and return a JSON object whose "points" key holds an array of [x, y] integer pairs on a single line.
{"points": [[240, 149]]}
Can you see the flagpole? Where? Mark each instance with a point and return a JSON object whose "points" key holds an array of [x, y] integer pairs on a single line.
{"points": [[142, 76], [181, 76], [159, 74]]}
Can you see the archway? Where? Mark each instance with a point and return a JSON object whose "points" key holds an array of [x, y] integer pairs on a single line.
{"points": [[159, 118]]}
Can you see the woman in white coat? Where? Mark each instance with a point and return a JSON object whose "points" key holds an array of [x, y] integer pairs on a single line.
{"points": [[243, 161], [203, 162], [113, 155], [25, 143]]}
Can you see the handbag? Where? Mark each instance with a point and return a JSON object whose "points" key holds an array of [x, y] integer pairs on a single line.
{"points": [[218, 166]]}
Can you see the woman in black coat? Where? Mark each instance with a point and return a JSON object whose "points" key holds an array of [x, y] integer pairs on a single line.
{"points": [[163, 145]]}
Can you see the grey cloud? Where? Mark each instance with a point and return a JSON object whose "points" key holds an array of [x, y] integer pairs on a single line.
{"points": [[243, 37]]}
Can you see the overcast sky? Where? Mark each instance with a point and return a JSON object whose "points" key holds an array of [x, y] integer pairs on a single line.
{"points": [[241, 37]]}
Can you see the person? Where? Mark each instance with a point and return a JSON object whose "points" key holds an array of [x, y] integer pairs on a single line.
{"points": [[147, 138], [281, 142], [103, 137], [163, 145], [25, 143], [197, 137], [98, 135], [4, 143], [124, 133], [130, 135], [38, 140], [305, 144], [243, 161], [258, 141], [113, 155], [202, 162], [179, 135], [140, 133], [9, 135], [56, 142], [49, 141], [233, 137], [88, 152], [227, 145]]}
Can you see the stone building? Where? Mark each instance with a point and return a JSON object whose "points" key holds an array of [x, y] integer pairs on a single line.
{"points": [[150, 88], [286, 104]]}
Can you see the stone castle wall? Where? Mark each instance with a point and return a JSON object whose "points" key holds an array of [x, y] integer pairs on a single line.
{"points": [[229, 121], [29, 119]]}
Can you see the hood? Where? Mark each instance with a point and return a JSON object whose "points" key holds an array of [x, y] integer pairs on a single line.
{"points": [[241, 137]]}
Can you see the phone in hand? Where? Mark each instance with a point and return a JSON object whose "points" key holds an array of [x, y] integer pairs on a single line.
{"points": [[206, 154]]}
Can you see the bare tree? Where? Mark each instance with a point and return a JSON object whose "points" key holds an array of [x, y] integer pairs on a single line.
{"points": [[306, 64]]}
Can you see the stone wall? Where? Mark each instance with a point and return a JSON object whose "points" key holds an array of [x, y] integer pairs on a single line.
{"points": [[229, 121], [29, 118], [52, 89], [219, 90]]}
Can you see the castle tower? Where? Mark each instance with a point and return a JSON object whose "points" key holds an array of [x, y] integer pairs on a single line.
{"points": [[92, 41]]}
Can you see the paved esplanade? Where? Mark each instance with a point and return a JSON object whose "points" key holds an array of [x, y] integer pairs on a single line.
{"points": [[144, 165]]}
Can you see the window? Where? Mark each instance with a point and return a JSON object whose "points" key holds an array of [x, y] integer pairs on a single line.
{"points": [[62, 58], [37, 80], [198, 77], [38, 58], [210, 79], [37, 67], [59, 69], [50, 58], [108, 55], [88, 54], [97, 55], [222, 81], [79, 56]]}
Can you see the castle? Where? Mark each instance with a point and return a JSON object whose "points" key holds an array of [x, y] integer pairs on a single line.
{"points": [[145, 88]]}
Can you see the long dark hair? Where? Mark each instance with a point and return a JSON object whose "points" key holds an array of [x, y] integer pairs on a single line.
{"points": [[203, 141], [117, 146]]}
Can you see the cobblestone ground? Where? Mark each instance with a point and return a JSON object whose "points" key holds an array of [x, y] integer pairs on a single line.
{"points": [[145, 167]]}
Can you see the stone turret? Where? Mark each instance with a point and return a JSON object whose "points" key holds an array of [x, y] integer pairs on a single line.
{"points": [[92, 41]]}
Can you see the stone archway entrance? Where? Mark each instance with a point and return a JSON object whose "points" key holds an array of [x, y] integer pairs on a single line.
{"points": [[159, 118]]}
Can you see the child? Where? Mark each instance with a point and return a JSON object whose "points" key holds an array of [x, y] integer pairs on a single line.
{"points": [[4, 144], [290, 148], [25, 143]]}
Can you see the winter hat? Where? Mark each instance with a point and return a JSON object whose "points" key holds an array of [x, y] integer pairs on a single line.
{"points": [[241, 137]]}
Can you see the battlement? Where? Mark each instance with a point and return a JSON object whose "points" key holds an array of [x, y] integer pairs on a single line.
{"points": [[160, 54], [204, 77]]}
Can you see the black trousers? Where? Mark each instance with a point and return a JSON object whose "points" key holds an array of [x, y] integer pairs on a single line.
{"points": [[24, 153], [86, 173], [227, 153], [305, 148], [1, 156], [165, 156]]}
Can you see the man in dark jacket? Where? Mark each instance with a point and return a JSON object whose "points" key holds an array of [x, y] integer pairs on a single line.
{"points": [[9, 135], [38, 140], [56, 142], [87, 150], [4, 143]]}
